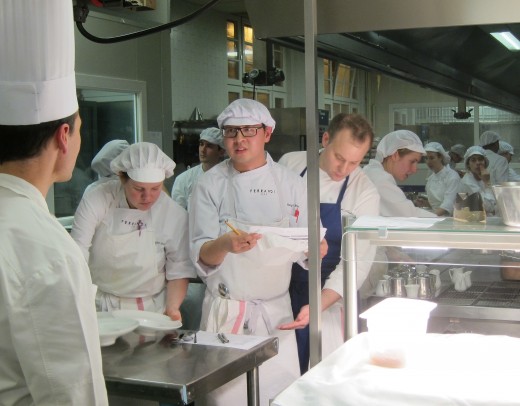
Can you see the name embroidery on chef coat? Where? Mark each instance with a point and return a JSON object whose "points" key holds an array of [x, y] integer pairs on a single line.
{"points": [[138, 225], [262, 192]]}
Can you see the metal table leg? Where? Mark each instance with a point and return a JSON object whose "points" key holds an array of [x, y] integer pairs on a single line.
{"points": [[253, 387]]}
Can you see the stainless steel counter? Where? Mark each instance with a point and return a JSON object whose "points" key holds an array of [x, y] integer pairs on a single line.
{"points": [[159, 368]]}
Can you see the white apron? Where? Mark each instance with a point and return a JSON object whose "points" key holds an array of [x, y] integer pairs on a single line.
{"points": [[121, 264], [258, 302]]}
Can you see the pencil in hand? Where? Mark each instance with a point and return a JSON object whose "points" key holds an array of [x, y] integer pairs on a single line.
{"points": [[232, 228]]}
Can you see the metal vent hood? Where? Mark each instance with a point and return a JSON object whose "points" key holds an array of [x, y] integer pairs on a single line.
{"points": [[442, 44]]}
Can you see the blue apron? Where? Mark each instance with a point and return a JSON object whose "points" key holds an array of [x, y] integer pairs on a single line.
{"points": [[330, 214]]}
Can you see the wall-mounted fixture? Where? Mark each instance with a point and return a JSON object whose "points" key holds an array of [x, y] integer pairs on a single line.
{"points": [[507, 39]]}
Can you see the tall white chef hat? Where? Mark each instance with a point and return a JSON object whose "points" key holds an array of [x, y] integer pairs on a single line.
{"points": [[396, 140], [37, 81], [488, 137], [505, 147], [101, 162], [246, 112], [213, 135], [437, 147], [144, 162]]}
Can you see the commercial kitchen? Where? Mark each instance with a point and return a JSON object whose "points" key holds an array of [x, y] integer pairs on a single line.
{"points": [[434, 68]]}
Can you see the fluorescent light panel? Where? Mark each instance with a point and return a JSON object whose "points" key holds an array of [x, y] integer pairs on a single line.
{"points": [[507, 39]]}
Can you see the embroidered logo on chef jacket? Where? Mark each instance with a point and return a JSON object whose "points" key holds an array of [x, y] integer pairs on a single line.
{"points": [[262, 192]]}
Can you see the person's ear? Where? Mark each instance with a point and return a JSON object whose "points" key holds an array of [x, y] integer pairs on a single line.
{"points": [[62, 137], [268, 131], [325, 139]]}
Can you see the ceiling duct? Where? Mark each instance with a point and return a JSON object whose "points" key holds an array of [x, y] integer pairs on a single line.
{"points": [[445, 46]]}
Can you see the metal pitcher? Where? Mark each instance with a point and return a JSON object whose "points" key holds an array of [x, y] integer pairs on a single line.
{"points": [[397, 286], [426, 289]]}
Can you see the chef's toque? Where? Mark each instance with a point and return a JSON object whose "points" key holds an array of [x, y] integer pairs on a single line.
{"points": [[37, 81], [144, 162], [246, 112], [437, 147], [213, 136], [101, 162], [488, 137], [396, 140]]}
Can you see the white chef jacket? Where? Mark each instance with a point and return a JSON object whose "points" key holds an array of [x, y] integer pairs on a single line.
{"points": [[498, 167], [442, 188], [49, 340], [512, 176], [361, 198], [469, 184], [100, 181], [262, 196], [393, 200], [169, 223], [183, 185]]}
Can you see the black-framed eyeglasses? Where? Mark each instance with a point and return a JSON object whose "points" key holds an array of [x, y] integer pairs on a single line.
{"points": [[232, 132]]}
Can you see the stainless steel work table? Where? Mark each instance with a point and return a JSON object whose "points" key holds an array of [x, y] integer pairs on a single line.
{"points": [[179, 373]]}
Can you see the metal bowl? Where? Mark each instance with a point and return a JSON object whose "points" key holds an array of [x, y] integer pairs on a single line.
{"points": [[508, 202]]}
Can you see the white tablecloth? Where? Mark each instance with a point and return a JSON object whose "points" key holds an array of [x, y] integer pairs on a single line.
{"points": [[459, 369]]}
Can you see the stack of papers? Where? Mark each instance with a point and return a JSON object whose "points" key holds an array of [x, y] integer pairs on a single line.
{"points": [[395, 222], [242, 342], [294, 233]]}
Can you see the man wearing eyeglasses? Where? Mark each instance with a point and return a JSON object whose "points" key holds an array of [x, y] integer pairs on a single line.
{"points": [[246, 294]]}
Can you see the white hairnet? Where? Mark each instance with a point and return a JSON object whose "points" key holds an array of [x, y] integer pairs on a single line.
{"points": [[37, 79], [436, 147], [505, 147], [245, 112], [213, 136], [396, 140], [475, 150], [101, 162], [488, 137], [458, 149], [144, 162]]}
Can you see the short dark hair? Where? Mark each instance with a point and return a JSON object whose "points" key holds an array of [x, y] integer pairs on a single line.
{"points": [[19, 142], [356, 123]]}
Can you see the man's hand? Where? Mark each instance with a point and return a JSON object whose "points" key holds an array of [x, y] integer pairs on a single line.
{"points": [[302, 320]]}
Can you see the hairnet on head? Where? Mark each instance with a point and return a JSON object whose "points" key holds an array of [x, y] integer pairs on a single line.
{"points": [[458, 149], [213, 136], [101, 162], [436, 147], [505, 147], [475, 150], [245, 112], [144, 162], [488, 137], [396, 140], [37, 79]]}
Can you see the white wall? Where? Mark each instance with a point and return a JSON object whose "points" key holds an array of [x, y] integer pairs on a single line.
{"points": [[144, 59]]}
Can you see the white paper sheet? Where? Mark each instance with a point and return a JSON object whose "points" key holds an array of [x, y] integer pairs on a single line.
{"points": [[242, 342], [395, 222], [295, 233]]}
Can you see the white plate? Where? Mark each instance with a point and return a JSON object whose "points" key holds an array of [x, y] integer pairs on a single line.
{"points": [[149, 322], [110, 328]]}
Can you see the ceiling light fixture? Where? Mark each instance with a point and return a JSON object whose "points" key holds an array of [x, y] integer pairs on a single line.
{"points": [[508, 40]]}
